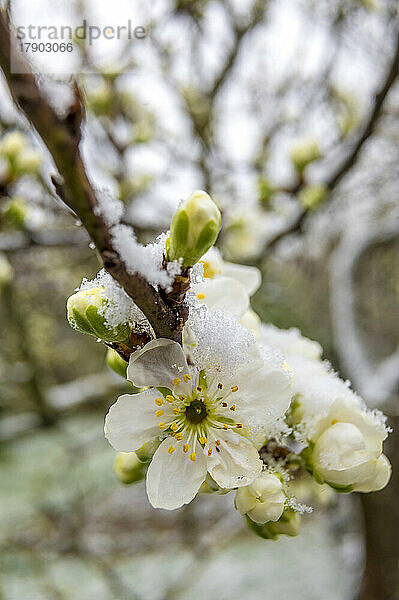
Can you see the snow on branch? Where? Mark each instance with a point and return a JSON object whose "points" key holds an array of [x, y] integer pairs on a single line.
{"points": [[131, 264]]}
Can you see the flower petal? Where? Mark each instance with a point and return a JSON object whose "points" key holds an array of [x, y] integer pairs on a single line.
{"points": [[264, 387], [172, 478], [380, 477], [249, 277], [157, 364], [236, 463], [223, 293], [131, 421]]}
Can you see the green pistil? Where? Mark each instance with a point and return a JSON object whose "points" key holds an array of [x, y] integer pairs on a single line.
{"points": [[196, 412]]}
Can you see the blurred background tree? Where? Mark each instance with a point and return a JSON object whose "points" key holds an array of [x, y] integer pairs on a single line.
{"points": [[286, 113]]}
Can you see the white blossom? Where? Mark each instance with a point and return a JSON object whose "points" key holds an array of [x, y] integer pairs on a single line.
{"points": [[204, 417]]}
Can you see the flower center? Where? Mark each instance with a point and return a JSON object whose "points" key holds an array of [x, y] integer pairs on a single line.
{"points": [[196, 412]]}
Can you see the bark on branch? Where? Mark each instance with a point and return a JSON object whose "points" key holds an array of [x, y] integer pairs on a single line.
{"points": [[62, 137]]}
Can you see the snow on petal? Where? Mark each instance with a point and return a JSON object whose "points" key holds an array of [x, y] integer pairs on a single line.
{"points": [[290, 341], [131, 421], [157, 364], [173, 478]]}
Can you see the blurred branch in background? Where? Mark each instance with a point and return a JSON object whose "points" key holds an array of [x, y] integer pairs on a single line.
{"points": [[229, 120]]}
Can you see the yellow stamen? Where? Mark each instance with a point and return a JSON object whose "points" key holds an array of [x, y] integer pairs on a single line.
{"points": [[176, 411], [185, 447], [232, 407], [186, 377], [217, 442], [200, 296], [161, 425], [193, 456], [209, 451], [179, 436], [170, 398], [202, 440], [171, 449], [159, 401], [239, 425], [224, 404], [174, 427], [176, 381], [225, 426], [334, 421], [220, 385], [234, 388], [159, 413]]}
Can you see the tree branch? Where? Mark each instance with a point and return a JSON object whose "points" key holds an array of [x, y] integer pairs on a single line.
{"points": [[347, 163], [62, 137]]}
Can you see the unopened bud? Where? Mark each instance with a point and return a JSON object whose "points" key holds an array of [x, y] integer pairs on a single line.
{"points": [[194, 229], [28, 161], [12, 144], [116, 362], [263, 500], [304, 153], [265, 191], [128, 467], [86, 311], [6, 270], [15, 212], [288, 524], [147, 450], [311, 196]]}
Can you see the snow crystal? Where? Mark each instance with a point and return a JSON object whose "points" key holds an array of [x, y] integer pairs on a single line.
{"points": [[297, 506], [197, 273], [120, 308], [144, 260], [221, 341], [108, 207]]}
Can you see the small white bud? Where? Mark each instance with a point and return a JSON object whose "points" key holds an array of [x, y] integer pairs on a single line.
{"points": [[263, 500], [348, 458]]}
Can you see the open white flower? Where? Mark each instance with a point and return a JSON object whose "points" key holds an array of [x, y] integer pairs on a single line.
{"points": [[203, 416], [227, 287]]}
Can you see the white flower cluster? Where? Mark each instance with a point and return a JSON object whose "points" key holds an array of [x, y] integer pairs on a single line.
{"points": [[240, 405], [244, 384]]}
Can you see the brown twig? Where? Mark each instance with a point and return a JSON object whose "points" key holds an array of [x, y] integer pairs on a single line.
{"points": [[62, 137]]}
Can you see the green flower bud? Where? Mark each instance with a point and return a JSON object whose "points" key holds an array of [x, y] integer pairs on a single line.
{"points": [[86, 312], [6, 270], [12, 144], [194, 229], [28, 161], [147, 450], [128, 467], [265, 191], [311, 196], [15, 212], [116, 362], [304, 153], [288, 524], [100, 100]]}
